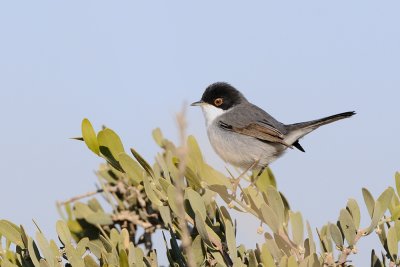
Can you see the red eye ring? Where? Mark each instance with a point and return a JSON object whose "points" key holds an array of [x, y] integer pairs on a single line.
{"points": [[218, 102]]}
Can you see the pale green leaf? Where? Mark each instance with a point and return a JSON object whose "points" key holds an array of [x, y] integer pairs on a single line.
{"points": [[354, 210], [45, 248], [11, 232], [348, 227], [143, 162], [89, 136], [196, 201], [392, 243], [202, 229], [131, 168], [270, 217], [123, 258], [150, 193], [266, 256], [100, 218], [369, 201], [292, 262], [63, 232], [276, 203], [110, 147], [230, 239], [381, 205], [297, 224], [336, 235]]}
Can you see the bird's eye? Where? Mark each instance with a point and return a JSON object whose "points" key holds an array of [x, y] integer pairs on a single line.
{"points": [[218, 102]]}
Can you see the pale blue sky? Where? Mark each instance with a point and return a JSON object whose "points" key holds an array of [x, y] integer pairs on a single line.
{"points": [[131, 65]]}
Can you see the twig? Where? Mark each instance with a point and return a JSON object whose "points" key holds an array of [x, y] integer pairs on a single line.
{"points": [[347, 251], [132, 217], [73, 199], [182, 153]]}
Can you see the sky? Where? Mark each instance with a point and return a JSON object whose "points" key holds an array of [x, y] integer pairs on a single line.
{"points": [[132, 65]]}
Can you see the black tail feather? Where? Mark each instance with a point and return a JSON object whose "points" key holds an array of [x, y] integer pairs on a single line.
{"points": [[298, 146]]}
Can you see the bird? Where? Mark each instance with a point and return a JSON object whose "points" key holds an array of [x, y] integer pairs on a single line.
{"points": [[246, 136]]}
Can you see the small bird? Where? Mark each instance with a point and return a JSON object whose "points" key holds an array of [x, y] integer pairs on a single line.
{"points": [[246, 136]]}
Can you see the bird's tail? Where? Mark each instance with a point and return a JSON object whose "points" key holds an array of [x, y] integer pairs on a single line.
{"points": [[312, 125], [298, 130]]}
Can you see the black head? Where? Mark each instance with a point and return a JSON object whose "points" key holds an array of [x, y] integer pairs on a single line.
{"points": [[222, 95]]}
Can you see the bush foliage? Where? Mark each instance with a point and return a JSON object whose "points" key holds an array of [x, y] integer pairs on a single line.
{"points": [[177, 195]]}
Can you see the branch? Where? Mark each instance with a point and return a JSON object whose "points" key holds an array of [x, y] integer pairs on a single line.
{"points": [[74, 199], [347, 251], [182, 152]]}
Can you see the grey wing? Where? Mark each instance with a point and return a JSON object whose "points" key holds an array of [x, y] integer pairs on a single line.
{"points": [[252, 121]]}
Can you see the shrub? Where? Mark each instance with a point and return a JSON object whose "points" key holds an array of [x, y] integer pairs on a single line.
{"points": [[177, 195]]}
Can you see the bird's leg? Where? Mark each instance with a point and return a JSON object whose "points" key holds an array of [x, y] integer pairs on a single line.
{"points": [[235, 182]]}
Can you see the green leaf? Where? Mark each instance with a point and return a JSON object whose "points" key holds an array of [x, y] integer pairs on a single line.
{"points": [[292, 262], [296, 221], [354, 210], [100, 218], [375, 261], [276, 203], [74, 257], [123, 258], [89, 136], [272, 247], [143, 162], [172, 193], [202, 229], [150, 193], [392, 243], [270, 217], [139, 257], [252, 258], [369, 201], [63, 232], [45, 248], [96, 247], [11, 232], [44, 263], [266, 256], [397, 178], [198, 251], [381, 205], [230, 239], [90, 262], [194, 150], [266, 179], [348, 227], [165, 215], [131, 168], [82, 246], [110, 147], [33, 252], [397, 226], [336, 235], [310, 239], [158, 136], [196, 201]]}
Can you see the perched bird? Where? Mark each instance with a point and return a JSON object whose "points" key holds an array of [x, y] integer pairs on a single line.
{"points": [[246, 136]]}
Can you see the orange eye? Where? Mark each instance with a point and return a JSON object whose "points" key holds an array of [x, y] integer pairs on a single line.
{"points": [[218, 102]]}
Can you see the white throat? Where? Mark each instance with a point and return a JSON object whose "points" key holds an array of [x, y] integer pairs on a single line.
{"points": [[211, 113]]}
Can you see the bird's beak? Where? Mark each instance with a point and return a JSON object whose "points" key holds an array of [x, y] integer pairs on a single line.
{"points": [[198, 103]]}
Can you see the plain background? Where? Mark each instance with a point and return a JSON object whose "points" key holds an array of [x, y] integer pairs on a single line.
{"points": [[131, 66]]}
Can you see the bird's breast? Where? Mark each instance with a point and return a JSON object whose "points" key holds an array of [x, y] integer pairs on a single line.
{"points": [[241, 150]]}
